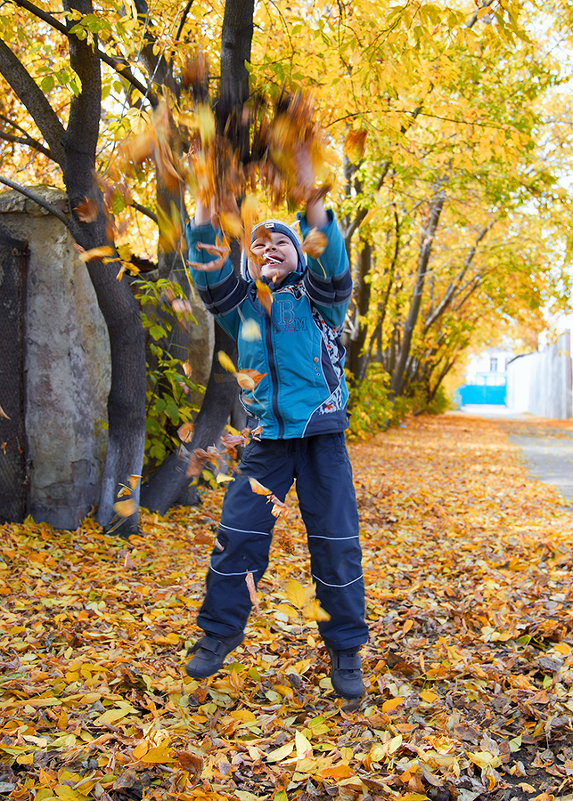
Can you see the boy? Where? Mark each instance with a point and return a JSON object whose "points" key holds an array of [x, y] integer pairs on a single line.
{"points": [[301, 405]]}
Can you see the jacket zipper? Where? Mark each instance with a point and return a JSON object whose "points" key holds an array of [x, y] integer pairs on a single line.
{"points": [[274, 375]]}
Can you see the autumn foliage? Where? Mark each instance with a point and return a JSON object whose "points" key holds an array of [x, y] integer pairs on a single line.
{"points": [[468, 670]]}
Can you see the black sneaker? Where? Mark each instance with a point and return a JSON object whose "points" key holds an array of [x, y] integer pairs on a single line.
{"points": [[346, 673], [209, 654]]}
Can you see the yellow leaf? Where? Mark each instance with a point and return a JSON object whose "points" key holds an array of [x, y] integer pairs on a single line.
{"points": [[206, 123], [484, 759], [298, 595], [264, 295], [392, 704], [231, 224], [394, 744], [303, 746], [337, 772], [133, 481], [428, 696], [125, 508], [354, 145], [250, 331], [221, 478], [225, 362], [249, 213], [314, 243], [103, 252], [159, 754], [280, 753], [314, 611], [258, 488], [140, 750], [283, 690]]}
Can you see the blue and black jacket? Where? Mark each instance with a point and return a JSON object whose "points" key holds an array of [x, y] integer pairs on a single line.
{"points": [[297, 347]]}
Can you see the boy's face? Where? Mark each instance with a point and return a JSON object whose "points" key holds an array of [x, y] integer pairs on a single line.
{"points": [[275, 254]]}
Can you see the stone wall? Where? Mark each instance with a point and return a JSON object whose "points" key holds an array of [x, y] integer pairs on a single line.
{"points": [[67, 366]]}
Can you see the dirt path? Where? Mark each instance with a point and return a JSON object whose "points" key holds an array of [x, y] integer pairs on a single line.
{"points": [[469, 667]]}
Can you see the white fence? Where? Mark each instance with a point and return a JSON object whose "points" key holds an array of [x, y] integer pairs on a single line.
{"points": [[540, 383]]}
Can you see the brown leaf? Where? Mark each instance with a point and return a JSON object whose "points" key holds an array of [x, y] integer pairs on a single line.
{"points": [[220, 251], [3, 414], [264, 296], [185, 432], [125, 508], [87, 210], [258, 488], [252, 590], [314, 243], [355, 145], [103, 252]]}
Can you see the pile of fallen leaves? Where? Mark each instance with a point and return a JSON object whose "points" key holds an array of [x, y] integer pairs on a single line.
{"points": [[469, 668]]}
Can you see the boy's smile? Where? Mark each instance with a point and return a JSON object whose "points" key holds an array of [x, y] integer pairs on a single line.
{"points": [[275, 254]]}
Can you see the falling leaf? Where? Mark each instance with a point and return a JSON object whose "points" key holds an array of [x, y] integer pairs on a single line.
{"points": [[231, 224], [264, 296], [187, 369], [314, 243], [206, 123], [249, 379], [185, 431], [250, 331], [220, 251], [245, 381], [249, 214], [3, 414], [221, 478], [225, 362], [258, 488], [252, 590], [314, 611], [125, 508], [354, 145], [134, 480], [103, 252], [298, 595], [181, 306], [87, 210]]}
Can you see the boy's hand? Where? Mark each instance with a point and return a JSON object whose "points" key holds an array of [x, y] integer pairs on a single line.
{"points": [[316, 215]]}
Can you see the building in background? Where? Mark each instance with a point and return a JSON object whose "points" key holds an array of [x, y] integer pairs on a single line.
{"points": [[486, 378]]}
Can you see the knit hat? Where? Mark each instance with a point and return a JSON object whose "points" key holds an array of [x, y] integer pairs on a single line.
{"points": [[278, 227]]}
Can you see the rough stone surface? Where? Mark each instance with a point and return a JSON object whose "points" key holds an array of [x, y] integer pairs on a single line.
{"points": [[67, 366]]}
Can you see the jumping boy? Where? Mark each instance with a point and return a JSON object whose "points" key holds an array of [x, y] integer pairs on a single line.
{"points": [[301, 404]]}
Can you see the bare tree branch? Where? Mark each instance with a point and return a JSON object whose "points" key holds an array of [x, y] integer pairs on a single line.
{"points": [[186, 11], [34, 99], [144, 210], [119, 65], [26, 141], [37, 199]]}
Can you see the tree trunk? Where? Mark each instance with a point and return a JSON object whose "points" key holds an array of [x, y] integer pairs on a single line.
{"points": [[126, 401], [169, 483], [357, 358], [398, 375]]}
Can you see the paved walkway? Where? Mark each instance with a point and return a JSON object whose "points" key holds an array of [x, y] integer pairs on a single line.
{"points": [[547, 445]]}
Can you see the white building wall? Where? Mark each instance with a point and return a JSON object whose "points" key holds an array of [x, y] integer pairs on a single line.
{"points": [[540, 383]]}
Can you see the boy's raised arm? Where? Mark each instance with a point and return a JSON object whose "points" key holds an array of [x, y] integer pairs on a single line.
{"points": [[202, 214]]}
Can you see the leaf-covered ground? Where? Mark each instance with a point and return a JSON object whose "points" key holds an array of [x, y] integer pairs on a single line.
{"points": [[469, 669]]}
